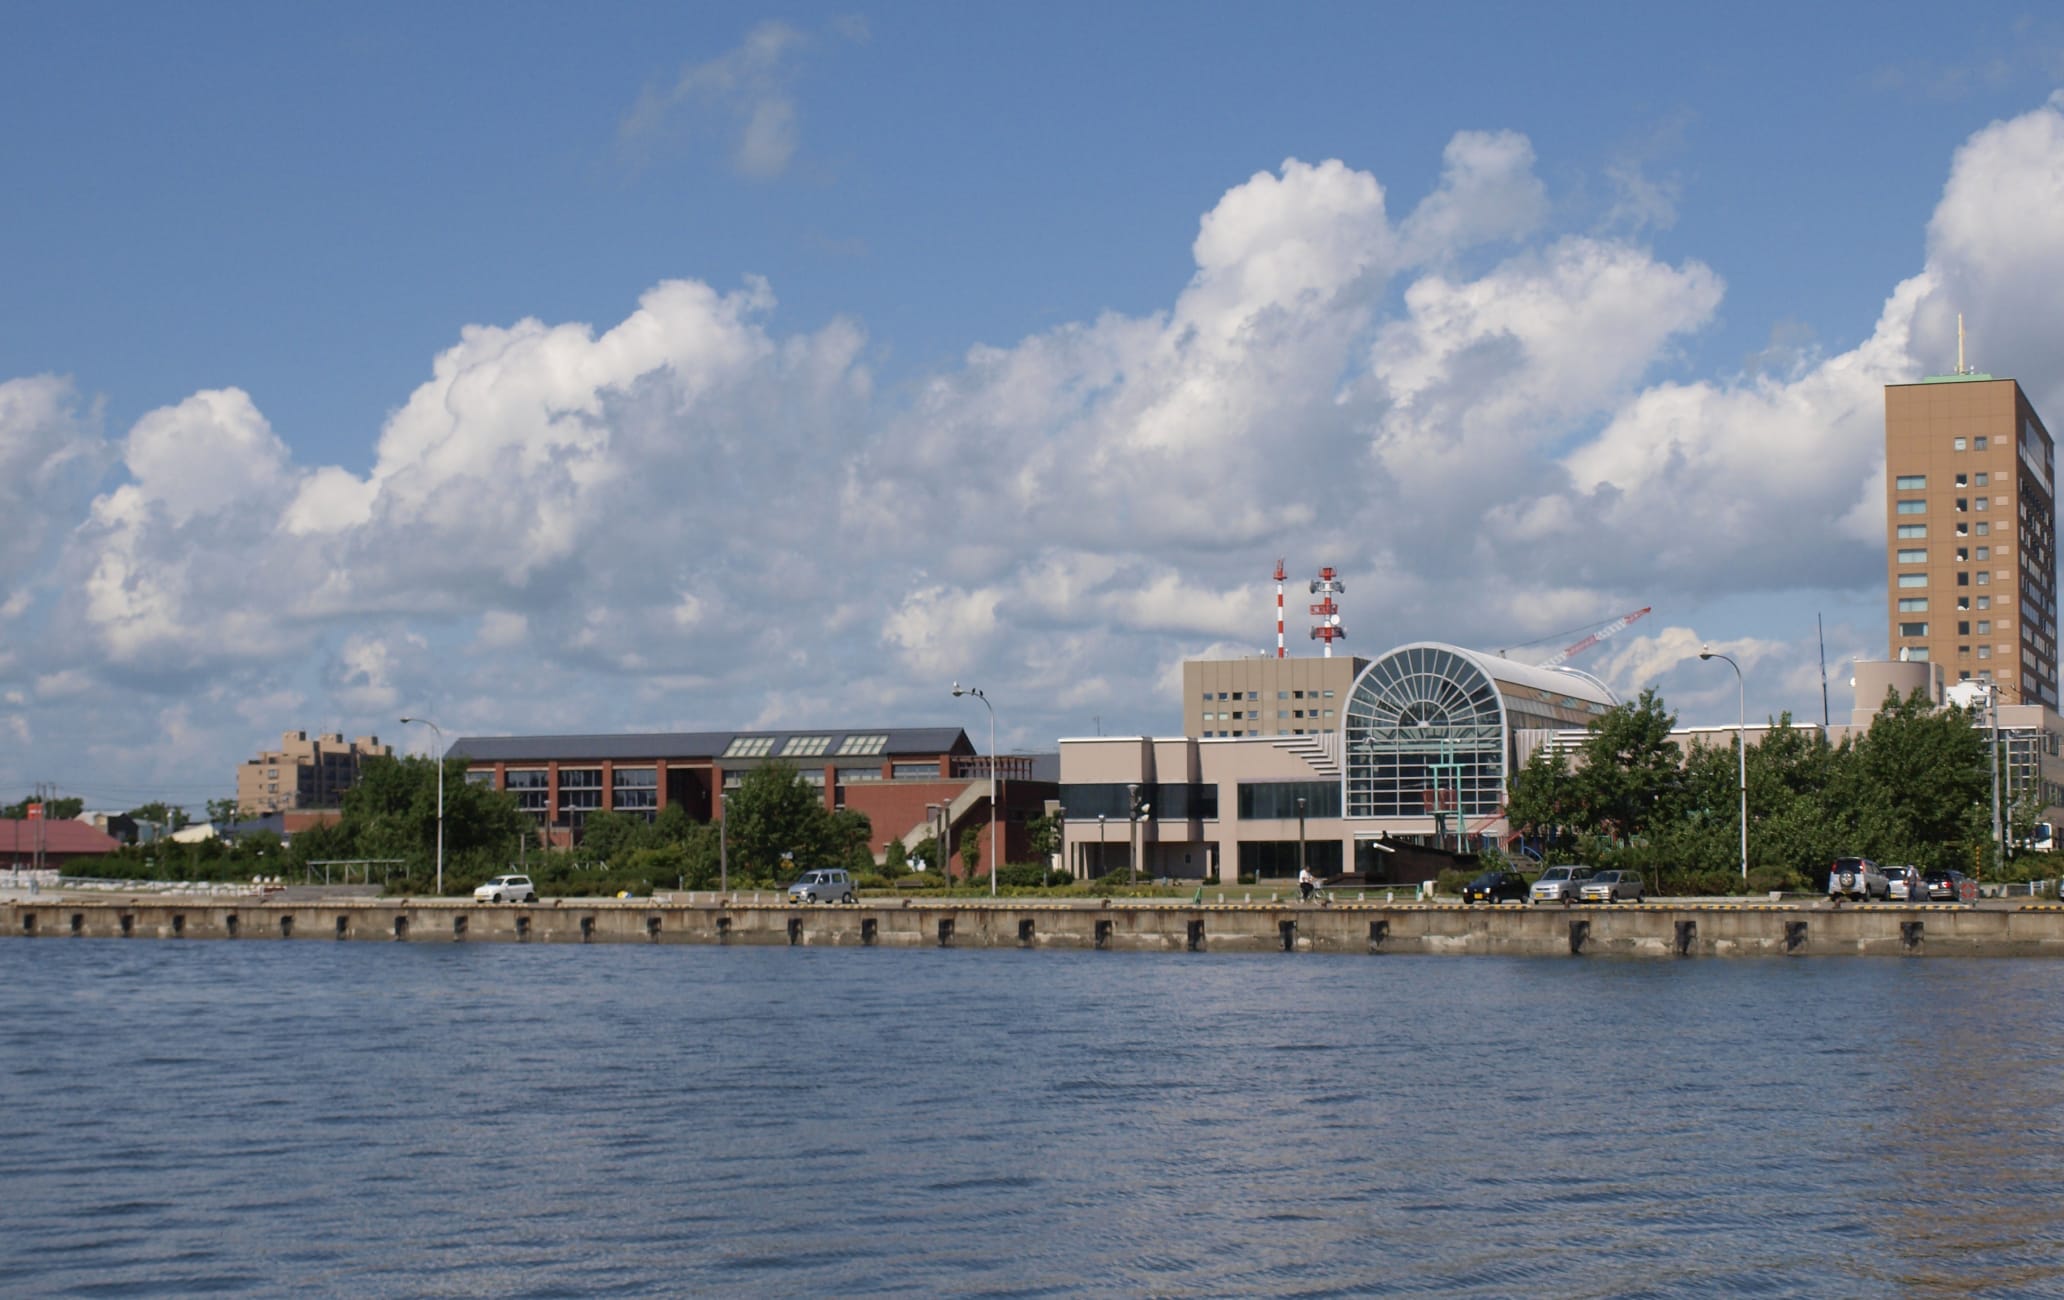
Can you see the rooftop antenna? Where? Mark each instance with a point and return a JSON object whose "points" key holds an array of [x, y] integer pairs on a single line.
{"points": [[1280, 652], [1328, 629]]}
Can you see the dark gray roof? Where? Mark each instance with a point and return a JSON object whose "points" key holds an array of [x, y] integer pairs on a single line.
{"points": [[630, 747]]}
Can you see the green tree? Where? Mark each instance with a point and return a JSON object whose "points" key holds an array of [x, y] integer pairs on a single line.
{"points": [[774, 812], [1632, 776], [222, 810], [161, 814], [1043, 838], [971, 849], [1917, 785]]}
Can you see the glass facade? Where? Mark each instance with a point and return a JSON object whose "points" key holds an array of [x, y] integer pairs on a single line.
{"points": [[1425, 734], [1278, 799]]}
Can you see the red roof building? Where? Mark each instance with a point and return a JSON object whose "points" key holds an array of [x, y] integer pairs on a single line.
{"points": [[61, 840]]}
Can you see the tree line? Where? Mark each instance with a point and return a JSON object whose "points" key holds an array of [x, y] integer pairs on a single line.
{"points": [[776, 826], [1916, 787]]}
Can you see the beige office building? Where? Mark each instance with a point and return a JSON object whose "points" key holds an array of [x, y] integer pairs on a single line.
{"points": [[1266, 696], [1971, 556], [304, 772]]}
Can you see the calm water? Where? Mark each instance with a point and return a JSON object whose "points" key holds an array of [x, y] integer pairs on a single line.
{"points": [[387, 1119]]}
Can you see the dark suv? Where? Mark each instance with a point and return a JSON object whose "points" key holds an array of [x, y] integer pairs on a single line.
{"points": [[1944, 884]]}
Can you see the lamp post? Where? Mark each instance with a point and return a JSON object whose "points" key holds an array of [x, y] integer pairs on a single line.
{"points": [[1999, 845], [995, 851], [1741, 748], [723, 844], [440, 797], [1132, 833], [1101, 819], [1454, 771]]}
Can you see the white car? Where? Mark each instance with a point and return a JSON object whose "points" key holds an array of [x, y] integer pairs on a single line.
{"points": [[506, 889]]}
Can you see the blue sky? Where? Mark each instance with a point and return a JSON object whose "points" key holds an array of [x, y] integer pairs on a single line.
{"points": [[957, 380]]}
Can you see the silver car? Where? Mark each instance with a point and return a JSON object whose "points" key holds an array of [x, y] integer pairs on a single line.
{"points": [[826, 885], [1559, 884], [1611, 887], [1857, 878]]}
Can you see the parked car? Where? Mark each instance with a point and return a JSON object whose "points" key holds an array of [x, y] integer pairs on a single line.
{"points": [[1857, 878], [1611, 887], [826, 885], [1496, 887], [506, 889], [1559, 884], [1906, 886], [1943, 884]]}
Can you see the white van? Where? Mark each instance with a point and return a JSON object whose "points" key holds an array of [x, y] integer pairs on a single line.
{"points": [[827, 885]]}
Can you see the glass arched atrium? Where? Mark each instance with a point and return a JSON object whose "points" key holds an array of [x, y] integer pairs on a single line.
{"points": [[1428, 729]]}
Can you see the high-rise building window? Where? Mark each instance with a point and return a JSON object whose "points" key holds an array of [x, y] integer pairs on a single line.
{"points": [[1963, 480], [1916, 556], [1984, 627], [1981, 503], [1963, 629], [1914, 579], [1984, 577], [1978, 443], [1911, 482], [1984, 529], [1963, 579], [1912, 507], [1908, 532], [1918, 653], [1985, 602], [1913, 629], [1982, 479], [1963, 554], [1984, 652], [1963, 504], [1913, 604], [1985, 552], [1957, 443]]}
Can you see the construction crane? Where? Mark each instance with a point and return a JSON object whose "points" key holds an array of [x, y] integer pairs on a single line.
{"points": [[1618, 624]]}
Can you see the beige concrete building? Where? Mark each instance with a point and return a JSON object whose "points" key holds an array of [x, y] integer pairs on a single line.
{"points": [[1971, 557], [1266, 696], [1423, 742], [303, 772]]}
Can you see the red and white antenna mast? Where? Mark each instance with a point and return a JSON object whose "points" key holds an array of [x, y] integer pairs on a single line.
{"points": [[1327, 629], [1280, 652]]}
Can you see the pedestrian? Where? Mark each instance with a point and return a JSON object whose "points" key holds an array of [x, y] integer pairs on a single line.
{"points": [[1306, 883]]}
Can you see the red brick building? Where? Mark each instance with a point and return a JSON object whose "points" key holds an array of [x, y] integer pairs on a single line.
{"points": [[898, 776]]}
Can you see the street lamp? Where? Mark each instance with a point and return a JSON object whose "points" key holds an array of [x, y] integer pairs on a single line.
{"points": [[1741, 749], [440, 797], [1999, 844], [1101, 819], [995, 852]]}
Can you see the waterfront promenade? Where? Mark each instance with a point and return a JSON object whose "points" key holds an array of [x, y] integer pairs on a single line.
{"points": [[1666, 929]]}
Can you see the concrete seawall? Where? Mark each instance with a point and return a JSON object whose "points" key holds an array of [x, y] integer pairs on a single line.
{"points": [[1641, 930]]}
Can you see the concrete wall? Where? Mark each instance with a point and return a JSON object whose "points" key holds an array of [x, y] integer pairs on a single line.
{"points": [[1657, 930]]}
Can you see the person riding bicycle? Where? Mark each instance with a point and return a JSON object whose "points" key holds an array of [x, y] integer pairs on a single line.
{"points": [[1306, 883]]}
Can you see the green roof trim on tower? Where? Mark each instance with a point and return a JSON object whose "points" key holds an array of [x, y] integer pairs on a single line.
{"points": [[1955, 379]]}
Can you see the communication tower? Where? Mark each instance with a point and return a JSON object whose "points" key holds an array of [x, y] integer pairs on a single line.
{"points": [[1327, 629]]}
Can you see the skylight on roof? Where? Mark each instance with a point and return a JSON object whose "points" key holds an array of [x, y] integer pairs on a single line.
{"points": [[868, 743], [749, 747], [805, 746]]}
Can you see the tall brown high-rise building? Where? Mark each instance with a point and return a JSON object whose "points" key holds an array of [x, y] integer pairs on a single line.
{"points": [[1970, 524]]}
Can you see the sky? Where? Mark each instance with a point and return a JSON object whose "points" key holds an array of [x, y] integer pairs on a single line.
{"points": [[576, 369]]}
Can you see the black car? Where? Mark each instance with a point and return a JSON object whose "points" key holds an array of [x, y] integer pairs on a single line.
{"points": [[1496, 887], [1944, 884]]}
